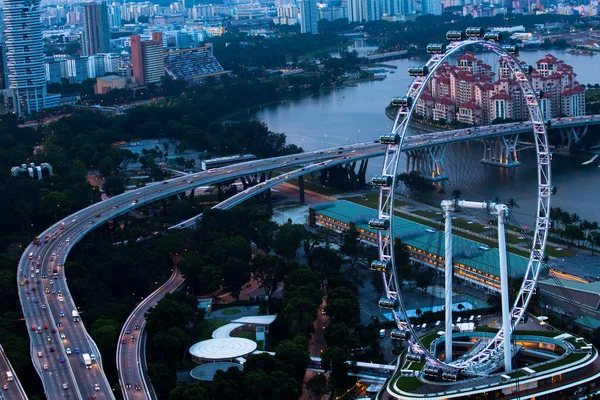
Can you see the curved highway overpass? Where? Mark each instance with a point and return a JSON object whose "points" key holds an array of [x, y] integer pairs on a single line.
{"points": [[52, 311]]}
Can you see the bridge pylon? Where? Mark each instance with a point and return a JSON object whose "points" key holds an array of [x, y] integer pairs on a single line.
{"points": [[428, 162], [501, 151], [572, 134]]}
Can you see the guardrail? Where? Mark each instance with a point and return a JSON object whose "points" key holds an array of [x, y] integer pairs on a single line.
{"points": [[141, 343], [16, 379]]}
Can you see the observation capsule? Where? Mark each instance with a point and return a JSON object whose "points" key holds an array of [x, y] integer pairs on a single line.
{"points": [[380, 266], [493, 36], [415, 357], [436, 48], [450, 375], [455, 36], [390, 138], [388, 304], [475, 32], [404, 101], [418, 71], [528, 69], [400, 334], [548, 124], [431, 371], [539, 93], [382, 180], [379, 223], [514, 50], [553, 189]]}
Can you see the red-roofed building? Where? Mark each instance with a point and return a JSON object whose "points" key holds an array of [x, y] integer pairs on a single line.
{"points": [[470, 113], [470, 82], [444, 110]]}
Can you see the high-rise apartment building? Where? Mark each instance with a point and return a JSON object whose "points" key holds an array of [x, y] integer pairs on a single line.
{"points": [[309, 16], [147, 59], [25, 57], [114, 16], [96, 36]]}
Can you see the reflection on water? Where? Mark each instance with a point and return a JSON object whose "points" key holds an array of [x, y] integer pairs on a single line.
{"points": [[356, 114]]}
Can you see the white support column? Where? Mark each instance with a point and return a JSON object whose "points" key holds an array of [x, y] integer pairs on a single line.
{"points": [[448, 207], [502, 211]]}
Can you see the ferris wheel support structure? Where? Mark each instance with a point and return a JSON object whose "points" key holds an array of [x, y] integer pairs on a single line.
{"points": [[384, 223]]}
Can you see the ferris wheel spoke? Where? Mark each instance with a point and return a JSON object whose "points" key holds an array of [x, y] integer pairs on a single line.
{"points": [[494, 351]]}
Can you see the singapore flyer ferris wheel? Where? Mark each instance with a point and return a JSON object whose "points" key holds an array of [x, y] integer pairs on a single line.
{"points": [[496, 352]]}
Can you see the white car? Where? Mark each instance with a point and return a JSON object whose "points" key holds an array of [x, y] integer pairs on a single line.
{"points": [[96, 387], [68, 350], [61, 314], [68, 240], [45, 367], [40, 354], [63, 336], [65, 386]]}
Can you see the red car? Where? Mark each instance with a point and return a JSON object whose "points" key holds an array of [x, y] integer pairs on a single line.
{"points": [[123, 341], [33, 327], [45, 326], [53, 330]]}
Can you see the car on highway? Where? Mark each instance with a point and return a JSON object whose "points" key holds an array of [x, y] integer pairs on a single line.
{"points": [[36, 300], [51, 349], [5, 387], [43, 306], [128, 331], [138, 387], [45, 367], [127, 385], [61, 359], [65, 386], [123, 341], [49, 339], [45, 326], [76, 350], [68, 351], [61, 314], [96, 387], [40, 354], [63, 336]]}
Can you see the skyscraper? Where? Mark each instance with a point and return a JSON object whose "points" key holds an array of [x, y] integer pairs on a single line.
{"points": [[309, 16], [25, 57], [96, 36], [355, 11], [147, 59]]}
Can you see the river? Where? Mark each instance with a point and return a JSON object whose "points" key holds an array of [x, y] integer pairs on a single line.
{"points": [[356, 114]]}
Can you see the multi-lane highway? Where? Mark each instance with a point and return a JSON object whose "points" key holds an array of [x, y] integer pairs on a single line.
{"points": [[44, 310], [11, 387], [132, 376]]}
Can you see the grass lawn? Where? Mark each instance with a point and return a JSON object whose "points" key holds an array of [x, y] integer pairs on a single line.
{"points": [[203, 329], [571, 358], [372, 200], [408, 383], [246, 335], [552, 252], [233, 311], [428, 213]]}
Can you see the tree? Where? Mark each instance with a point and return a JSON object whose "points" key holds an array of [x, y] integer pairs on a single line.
{"points": [[192, 391], [345, 311], [163, 378], [318, 386], [325, 260], [168, 313], [293, 353], [172, 342], [288, 239], [113, 186], [262, 233], [350, 241], [512, 203], [236, 273], [334, 359], [424, 279], [269, 271], [337, 334]]}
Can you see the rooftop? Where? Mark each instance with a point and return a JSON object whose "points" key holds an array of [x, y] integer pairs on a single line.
{"points": [[466, 252], [222, 348]]}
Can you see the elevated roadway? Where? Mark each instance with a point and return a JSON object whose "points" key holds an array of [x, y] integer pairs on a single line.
{"points": [[132, 375], [12, 390], [81, 382]]}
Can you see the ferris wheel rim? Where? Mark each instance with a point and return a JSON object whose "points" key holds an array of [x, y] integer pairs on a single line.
{"points": [[386, 201]]}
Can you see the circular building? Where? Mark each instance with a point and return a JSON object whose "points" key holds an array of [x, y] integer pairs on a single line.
{"points": [[221, 349], [206, 372]]}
